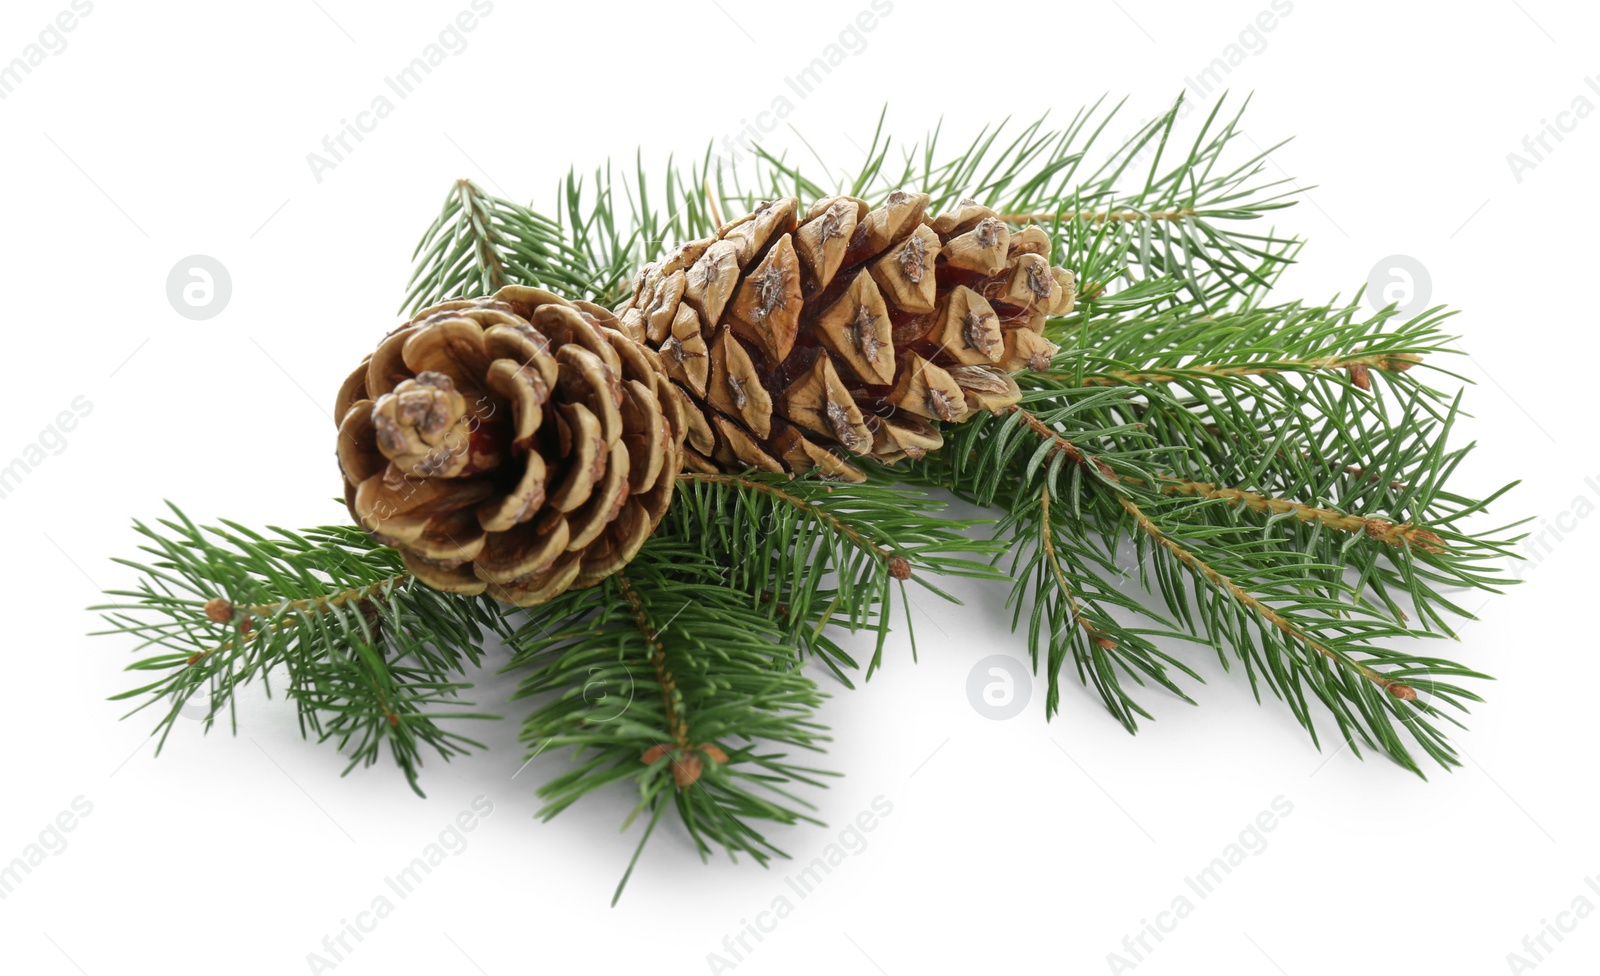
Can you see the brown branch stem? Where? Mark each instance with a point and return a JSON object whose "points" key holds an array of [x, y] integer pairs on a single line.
{"points": [[1249, 601], [360, 594], [1398, 534], [1048, 543], [676, 726], [284, 615], [1062, 445]]}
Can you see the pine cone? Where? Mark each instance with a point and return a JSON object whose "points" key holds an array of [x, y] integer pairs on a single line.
{"points": [[852, 329], [518, 444]]}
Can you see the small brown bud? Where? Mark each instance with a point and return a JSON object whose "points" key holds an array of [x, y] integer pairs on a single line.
{"points": [[716, 754], [686, 769], [246, 624], [219, 610], [652, 754], [900, 567], [1403, 692], [1360, 376]]}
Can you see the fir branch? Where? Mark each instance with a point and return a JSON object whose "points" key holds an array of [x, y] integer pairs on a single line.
{"points": [[289, 613], [1103, 649], [816, 556], [1304, 644], [1063, 576], [370, 660], [727, 694], [1254, 604], [1058, 444], [480, 243], [1279, 607], [1371, 444], [1193, 345], [857, 536]]}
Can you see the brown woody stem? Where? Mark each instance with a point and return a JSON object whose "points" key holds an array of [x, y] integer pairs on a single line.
{"points": [[676, 726], [1398, 534], [1047, 541], [357, 595], [1064, 446], [274, 611]]}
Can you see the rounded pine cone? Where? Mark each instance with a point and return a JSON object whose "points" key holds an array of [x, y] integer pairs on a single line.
{"points": [[851, 330], [518, 444]]}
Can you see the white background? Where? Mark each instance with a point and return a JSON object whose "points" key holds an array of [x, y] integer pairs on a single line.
{"points": [[165, 130]]}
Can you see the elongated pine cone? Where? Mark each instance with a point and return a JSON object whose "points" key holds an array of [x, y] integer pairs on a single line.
{"points": [[851, 330], [518, 444]]}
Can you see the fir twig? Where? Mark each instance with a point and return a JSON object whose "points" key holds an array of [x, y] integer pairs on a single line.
{"points": [[711, 739], [371, 661], [830, 554], [479, 243]]}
